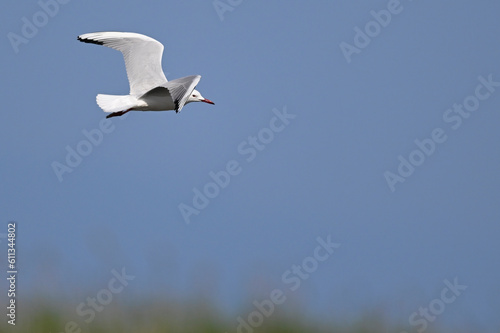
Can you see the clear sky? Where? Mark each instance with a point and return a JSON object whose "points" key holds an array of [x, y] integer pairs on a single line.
{"points": [[359, 95]]}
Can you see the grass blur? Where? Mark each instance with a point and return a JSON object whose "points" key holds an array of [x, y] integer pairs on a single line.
{"points": [[159, 317]]}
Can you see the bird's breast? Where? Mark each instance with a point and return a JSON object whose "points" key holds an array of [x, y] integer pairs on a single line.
{"points": [[157, 99]]}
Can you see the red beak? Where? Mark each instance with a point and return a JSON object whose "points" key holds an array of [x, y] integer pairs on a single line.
{"points": [[208, 101]]}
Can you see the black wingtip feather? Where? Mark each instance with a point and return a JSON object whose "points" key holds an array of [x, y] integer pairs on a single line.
{"points": [[91, 41]]}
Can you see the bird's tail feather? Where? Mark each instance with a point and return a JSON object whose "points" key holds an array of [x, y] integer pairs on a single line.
{"points": [[115, 103]]}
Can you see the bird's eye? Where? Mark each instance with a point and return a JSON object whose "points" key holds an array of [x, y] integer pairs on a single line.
{"points": [[194, 95]]}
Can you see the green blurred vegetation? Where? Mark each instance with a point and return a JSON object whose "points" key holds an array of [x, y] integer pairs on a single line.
{"points": [[159, 317]]}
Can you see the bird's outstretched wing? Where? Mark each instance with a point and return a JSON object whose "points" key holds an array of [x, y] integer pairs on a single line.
{"points": [[142, 56], [181, 88]]}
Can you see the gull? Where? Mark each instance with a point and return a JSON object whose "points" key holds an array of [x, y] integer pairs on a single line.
{"points": [[149, 88]]}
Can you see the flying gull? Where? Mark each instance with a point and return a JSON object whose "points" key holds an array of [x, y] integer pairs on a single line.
{"points": [[149, 88]]}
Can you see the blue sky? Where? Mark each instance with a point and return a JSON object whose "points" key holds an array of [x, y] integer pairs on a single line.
{"points": [[322, 174]]}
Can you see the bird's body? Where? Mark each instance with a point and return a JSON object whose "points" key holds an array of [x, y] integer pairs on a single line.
{"points": [[149, 88]]}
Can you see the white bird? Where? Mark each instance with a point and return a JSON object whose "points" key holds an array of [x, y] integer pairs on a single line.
{"points": [[149, 88]]}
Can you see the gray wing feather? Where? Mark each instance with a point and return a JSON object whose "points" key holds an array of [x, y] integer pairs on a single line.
{"points": [[142, 56], [181, 88]]}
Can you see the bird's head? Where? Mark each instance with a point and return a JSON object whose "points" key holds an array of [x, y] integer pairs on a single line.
{"points": [[196, 97]]}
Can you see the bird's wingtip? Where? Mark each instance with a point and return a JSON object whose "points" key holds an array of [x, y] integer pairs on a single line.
{"points": [[83, 39]]}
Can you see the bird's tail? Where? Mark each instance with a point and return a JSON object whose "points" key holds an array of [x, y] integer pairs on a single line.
{"points": [[116, 103]]}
